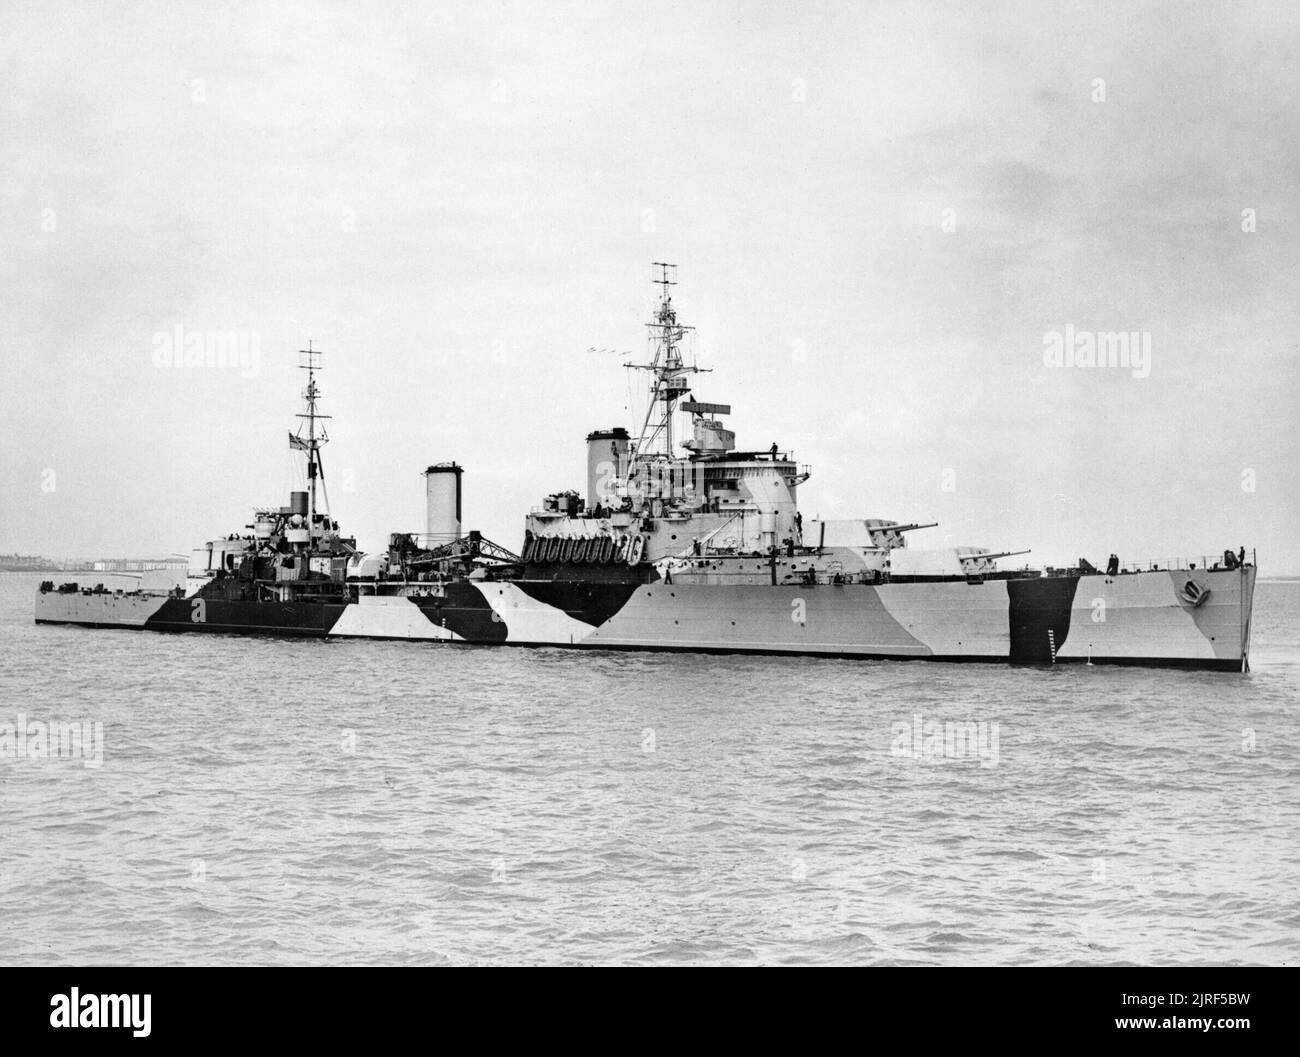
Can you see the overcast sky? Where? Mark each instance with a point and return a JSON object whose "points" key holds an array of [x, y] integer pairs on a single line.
{"points": [[881, 213]]}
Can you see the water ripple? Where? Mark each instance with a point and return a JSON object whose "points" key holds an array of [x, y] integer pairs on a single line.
{"points": [[272, 802]]}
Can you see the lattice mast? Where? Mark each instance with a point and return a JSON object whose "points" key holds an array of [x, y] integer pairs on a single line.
{"points": [[669, 373], [316, 437]]}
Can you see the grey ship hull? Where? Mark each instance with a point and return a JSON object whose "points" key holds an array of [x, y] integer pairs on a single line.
{"points": [[1137, 619]]}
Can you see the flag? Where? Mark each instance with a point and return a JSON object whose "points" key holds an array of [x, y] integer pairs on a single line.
{"points": [[299, 443]]}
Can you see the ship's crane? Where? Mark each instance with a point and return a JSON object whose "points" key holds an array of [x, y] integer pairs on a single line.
{"points": [[472, 549]]}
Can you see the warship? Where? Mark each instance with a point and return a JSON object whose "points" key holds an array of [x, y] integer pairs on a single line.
{"points": [[679, 540]]}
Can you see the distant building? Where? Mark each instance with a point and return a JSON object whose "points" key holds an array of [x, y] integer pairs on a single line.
{"points": [[29, 562]]}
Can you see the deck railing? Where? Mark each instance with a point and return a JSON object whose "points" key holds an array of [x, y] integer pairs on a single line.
{"points": [[1203, 561]]}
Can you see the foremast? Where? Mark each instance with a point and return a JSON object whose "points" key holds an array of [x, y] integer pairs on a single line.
{"points": [[669, 374]]}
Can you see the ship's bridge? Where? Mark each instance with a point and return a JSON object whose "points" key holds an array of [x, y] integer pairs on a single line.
{"points": [[738, 500]]}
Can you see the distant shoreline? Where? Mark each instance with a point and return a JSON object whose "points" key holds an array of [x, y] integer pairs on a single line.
{"points": [[78, 569], [40, 569]]}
